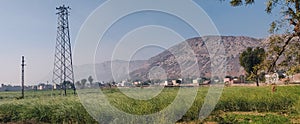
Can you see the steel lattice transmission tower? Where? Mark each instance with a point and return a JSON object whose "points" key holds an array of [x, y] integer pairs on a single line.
{"points": [[63, 67]]}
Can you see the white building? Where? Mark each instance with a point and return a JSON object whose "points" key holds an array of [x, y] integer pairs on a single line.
{"points": [[272, 78]]}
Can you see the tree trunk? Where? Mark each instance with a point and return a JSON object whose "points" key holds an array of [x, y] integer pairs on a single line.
{"points": [[257, 83], [273, 64]]}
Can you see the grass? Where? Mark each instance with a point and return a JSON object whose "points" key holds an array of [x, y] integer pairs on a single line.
{"points": [[259, 99], [268, 118], [43, 107], [259, 103], [47, 111]]}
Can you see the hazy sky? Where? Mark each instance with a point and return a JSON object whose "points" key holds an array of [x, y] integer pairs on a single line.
{"points": [[28, 27]]}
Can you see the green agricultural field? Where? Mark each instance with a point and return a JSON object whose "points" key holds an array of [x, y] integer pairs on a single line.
{"points": [[236, 105]]}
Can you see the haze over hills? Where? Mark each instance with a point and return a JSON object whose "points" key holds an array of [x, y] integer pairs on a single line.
{"points": [[169, 63], [103, 71]]}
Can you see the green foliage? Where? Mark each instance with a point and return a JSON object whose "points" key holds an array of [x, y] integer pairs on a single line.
{"points": [[289, 10], [289, 23], [290, 56], [251, 60], [240, 2], [273, 28]]}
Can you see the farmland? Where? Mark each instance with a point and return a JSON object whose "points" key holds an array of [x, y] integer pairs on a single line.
{"points": [[237, 104]]}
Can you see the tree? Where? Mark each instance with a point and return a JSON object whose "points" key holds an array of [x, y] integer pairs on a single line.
{"points": [[251, 60], [288, 22], [90, 80], [289, 60], [83, 82], [113, 83], [78, 84]]}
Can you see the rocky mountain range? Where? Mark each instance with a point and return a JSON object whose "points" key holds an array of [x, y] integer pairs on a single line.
{"points": [[201, 46], [171, 63]]}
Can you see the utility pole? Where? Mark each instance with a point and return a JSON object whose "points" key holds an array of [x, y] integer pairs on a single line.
{"points": [[63, 66], [23, 65]]}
